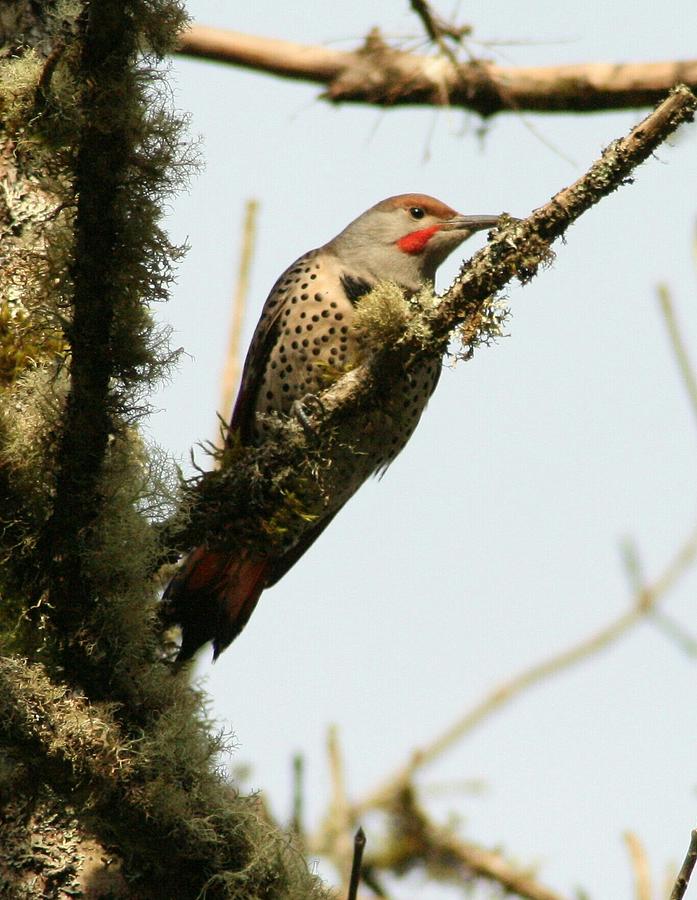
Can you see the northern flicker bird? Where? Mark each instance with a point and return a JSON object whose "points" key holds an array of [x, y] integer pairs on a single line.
{"points": [[305, 330]]}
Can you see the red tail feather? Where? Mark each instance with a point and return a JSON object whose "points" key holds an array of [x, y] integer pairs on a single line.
{"points": [[212, 597]]}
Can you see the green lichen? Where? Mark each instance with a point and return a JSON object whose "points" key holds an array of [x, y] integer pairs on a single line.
{"points": [[386, 315]]}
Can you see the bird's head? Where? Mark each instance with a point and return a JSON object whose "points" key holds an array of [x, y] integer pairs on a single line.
{"points": [[405, 238]]}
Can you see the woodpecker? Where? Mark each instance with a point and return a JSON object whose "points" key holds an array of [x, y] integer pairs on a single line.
{"points": [[305, 330]]}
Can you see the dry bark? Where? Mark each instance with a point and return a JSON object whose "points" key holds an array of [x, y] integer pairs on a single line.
{"points": [[382, 75]]}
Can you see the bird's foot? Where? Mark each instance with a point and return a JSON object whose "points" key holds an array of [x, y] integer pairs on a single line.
{"points": [[303, 408]]}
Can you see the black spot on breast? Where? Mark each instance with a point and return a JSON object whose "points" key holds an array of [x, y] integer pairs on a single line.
{"points": [[354, 288]]}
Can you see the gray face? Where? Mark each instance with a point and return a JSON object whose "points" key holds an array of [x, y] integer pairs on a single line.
{"points": [[404, 243]]}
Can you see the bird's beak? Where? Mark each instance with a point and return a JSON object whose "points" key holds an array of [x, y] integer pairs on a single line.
{"points": [[470, 223]]}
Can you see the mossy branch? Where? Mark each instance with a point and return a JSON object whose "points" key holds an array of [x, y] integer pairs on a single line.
{"points": [[113, 152], [100, 171], [242, 500], [101, 166]]}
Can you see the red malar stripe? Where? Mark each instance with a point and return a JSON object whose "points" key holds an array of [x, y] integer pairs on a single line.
{"points": [[417, 240]]}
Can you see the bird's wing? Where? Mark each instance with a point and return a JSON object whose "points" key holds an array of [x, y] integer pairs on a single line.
{"points": [[265, 336]]}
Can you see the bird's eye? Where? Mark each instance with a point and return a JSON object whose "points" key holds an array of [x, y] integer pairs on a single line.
{"points": [[417, 212]]}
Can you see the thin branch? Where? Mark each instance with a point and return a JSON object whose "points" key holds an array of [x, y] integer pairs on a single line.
{"points": [[386, 76], [429, 20], [511, 689], [683, 879], [665, 623], [640, 867], [492, 866], [438, 30], [336, 842], [358, 848], [676, 632], [297, 817], [336, 770], [679, 349], [231, 372], [632, 566]]}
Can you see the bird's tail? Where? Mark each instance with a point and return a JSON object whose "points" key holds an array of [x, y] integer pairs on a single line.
{"points": [[212, 597]]}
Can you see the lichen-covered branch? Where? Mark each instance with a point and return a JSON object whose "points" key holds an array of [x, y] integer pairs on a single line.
{"points": [[92, 130], [386, 76], [101, 166]]}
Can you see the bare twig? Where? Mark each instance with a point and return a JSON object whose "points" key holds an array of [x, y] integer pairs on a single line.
{"points": [[676, 632], [632, 565], [336, 768], [385, 76], [685, 872], [296, 822], [679, 349], [337, 843], [492, 866], [48, 70], [231, 372], [437, 31], [665, 623], [358, 847], [509, 690], [640, 867], [435, 27]]}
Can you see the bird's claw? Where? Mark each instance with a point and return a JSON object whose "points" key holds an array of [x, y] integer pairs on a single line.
{"points": [[310, 403]]}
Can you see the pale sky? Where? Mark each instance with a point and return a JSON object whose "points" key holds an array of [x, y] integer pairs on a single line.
{"points": [[493, 540]]}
